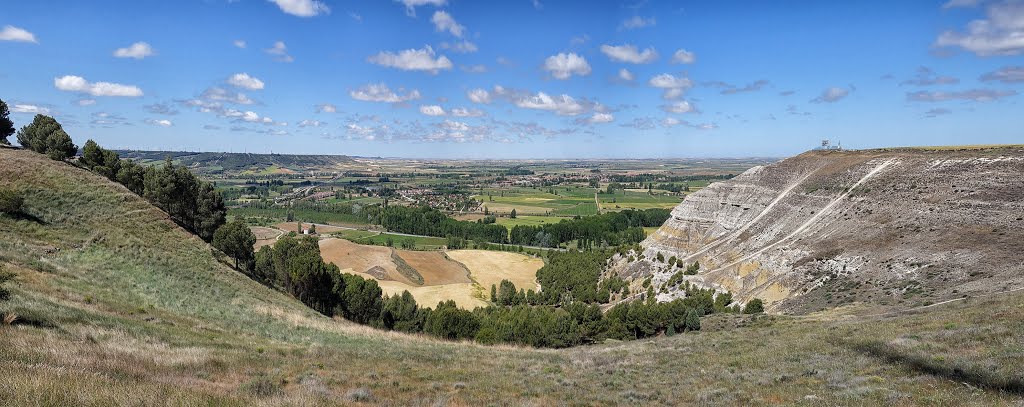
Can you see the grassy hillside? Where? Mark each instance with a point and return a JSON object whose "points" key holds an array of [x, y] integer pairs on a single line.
{"points": [[117, 305]]}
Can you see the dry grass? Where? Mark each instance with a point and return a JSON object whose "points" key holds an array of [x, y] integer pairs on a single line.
{"points": [[490, 267]]}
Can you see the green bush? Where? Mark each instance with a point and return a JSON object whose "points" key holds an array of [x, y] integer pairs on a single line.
{"points": [[10, 202]]}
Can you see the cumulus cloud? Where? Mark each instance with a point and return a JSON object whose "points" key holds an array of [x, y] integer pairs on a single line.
{"points": [[239, 44], [159, 122], [280, 52], [432, 110], [160, 108], [926, 77], [311, 123], [831, 95], [219, 94], [138, 50], [682, 56], [730, 89], [1001, 33], [379, 92], [599, 117], [412, 60], [629, 53], [681, 106], [626, 75], [563, 66], [243, 80], [72, 83], [462, 47], [302, 8], [12, 33], [30, 109], [445, 22], [976, 95], [466, 112], [1006, 74], [563, 105], [410, 5], [479, 96], [635, 22], [673, 86], [326, 108]]}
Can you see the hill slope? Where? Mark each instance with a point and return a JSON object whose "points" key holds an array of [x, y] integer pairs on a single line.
{"points": [[119, 306], [900, 227]]}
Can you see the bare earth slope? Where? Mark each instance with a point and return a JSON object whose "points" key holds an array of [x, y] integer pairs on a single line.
{"points": [[898, 227]]}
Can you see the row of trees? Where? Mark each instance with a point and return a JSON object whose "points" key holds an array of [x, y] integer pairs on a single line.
{"points": [[612, 229], [192, 203], [432, 222]]}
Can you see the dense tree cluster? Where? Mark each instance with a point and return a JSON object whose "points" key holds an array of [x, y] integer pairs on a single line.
{"points": [[46, 136], [431, 222], [236, 240], [6, 125], [611, 229], [576, 276], [192, 203]]}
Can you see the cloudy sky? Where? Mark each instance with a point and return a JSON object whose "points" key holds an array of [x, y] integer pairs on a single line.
{"points": [[517, 79]]}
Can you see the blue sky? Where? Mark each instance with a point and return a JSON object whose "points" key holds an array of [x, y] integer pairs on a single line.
{"points": [[517, 79]]}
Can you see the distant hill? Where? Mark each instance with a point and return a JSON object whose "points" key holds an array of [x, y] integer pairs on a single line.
{"points": [[114, 304], [897, 227], [212, 163]]}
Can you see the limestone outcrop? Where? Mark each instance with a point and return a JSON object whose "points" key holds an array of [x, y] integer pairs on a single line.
{"points": [[895, 227]]}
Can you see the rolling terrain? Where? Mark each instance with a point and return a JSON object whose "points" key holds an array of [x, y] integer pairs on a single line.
{"points": [[117, 305], [895, 228]]}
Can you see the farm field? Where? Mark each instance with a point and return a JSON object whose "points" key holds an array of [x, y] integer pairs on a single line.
{"points": [[464, 276]]}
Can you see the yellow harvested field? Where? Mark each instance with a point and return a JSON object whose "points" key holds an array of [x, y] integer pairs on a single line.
{"points": [[435, 267], [490, 267], [430, 295], [361, 258]]}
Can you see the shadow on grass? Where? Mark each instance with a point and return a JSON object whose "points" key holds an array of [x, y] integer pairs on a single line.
{"points": [[973, 376], [26, 216]]}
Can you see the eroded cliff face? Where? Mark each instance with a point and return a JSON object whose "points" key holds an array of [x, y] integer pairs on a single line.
{"points": [[901, 227]]}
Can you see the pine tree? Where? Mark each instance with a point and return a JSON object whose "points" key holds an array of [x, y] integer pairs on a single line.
{"points": [[6, 125]]}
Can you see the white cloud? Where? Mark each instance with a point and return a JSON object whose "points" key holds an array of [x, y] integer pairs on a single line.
{"points": [[961, 3], [563, 105], [71, 83], [379, 92], [243, 80], [1002, 33], [280, 51], [464, 112], [637, 22], [479, 96], [681, 106], [977, 95], [302, 8], [445, 22], [412, 60], [673, 86], [671, 121], [626, 75], [474, 68], [463, 47], [432, 110], [239, 43], [326, 108], [31, 109], [138, 50], [160, 122], [601, 118], [1006, 74], [682, 56], [563, 66], [629, 53], [86, 102], [410, 5], [311, 123], [12, 33], [831, 95], [219, 94]]}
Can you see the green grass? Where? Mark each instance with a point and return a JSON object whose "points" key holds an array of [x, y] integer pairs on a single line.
{"points": [[303, 215], [380, 239], [529, 220], [132, 310], [581, 209]]}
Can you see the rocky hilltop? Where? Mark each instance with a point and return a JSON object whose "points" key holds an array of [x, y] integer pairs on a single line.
{"points": [[892, 227]]}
